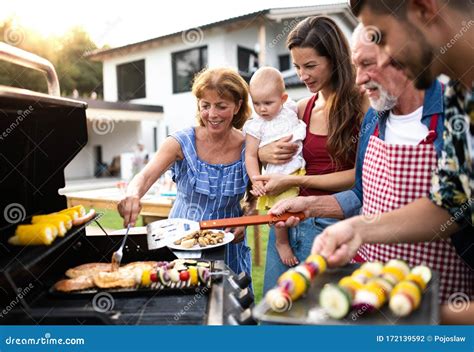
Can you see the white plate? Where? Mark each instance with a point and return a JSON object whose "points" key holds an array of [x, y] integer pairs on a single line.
{"points": [[160, 232], [228, 237]]}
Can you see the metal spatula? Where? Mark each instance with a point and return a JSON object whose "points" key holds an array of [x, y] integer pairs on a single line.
{"points": [[159, 231]]}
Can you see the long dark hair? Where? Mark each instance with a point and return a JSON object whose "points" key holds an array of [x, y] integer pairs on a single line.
{"points": [[345, 104]]}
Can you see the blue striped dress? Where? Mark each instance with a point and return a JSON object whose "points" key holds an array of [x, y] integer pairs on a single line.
{"points": [[210, 191]]}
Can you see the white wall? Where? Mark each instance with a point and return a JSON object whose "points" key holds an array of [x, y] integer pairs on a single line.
{"points": [[298, 93], [81, 166], [115, 137], [276, 39], [180, 109], [146, 133], [122, 138]]}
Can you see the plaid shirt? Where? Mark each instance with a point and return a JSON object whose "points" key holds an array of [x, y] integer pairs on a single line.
{"points": [[453, 182]]}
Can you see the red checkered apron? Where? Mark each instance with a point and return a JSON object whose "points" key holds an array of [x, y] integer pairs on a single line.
{"points": [[393, 176]]}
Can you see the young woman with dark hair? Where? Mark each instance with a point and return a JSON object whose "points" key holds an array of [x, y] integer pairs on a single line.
{"points": [[322, 58]]}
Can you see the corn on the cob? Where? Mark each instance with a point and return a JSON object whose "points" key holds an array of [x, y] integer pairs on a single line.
{"points": [[37, 234], [73, 214], [66, 218], [57, 221], [78, 209]]}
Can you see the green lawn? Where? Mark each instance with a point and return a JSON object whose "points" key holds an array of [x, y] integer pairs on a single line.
{"points": [[112, 220]]}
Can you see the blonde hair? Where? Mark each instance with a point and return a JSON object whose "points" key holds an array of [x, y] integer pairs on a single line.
{"points": [[270, 77], [230, 85]]}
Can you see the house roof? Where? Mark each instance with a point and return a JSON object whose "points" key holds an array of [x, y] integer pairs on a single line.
{"points": [[100, 54], [276, 14], [120, 105], [121, 111]]}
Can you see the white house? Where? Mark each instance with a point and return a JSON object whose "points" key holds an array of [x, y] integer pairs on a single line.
{"points": [[113, 128], [159, 71]]}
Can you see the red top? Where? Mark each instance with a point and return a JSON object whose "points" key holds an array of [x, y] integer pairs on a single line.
{"points": [[318, 161]]}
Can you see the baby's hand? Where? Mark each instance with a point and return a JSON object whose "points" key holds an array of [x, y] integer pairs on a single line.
{"points": [[258, 188]]}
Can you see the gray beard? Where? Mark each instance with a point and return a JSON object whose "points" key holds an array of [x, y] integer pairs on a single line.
{"points": [[384, 102]]}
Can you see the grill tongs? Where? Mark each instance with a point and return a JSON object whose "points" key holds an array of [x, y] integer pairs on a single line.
{"points": [[174, 226], [162, 231], [246, 220]]}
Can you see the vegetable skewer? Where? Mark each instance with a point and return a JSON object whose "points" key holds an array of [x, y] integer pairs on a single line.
{"points": [[406, 295], [295, 282]]}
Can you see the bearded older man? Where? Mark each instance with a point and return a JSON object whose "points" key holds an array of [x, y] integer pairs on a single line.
{"points": [[398, 150]]}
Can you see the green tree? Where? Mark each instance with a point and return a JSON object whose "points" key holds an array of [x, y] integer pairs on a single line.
{"points": [[21, 37], [66, 52], [75, 71]]}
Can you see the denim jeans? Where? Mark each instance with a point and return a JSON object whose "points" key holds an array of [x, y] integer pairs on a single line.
{"points": [[301, 240]]}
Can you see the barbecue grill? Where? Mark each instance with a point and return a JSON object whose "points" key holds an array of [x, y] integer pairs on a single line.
{"points": [[41, 134]]}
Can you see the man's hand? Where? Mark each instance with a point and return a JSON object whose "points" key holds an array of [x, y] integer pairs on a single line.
{"points": [[293, 205], [338, 243]]}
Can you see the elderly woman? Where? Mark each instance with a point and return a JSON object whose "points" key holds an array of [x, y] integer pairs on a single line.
{"points": [[207, 161]]}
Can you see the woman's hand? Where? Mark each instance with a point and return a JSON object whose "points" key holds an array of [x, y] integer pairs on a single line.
{"points": [[278, 152], [129, 208], [239, 233], [274, 183]]}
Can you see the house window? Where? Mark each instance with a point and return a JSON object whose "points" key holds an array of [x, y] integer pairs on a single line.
{"points": [[284, 62], [131, 80], [185, 65], [247, 61]]}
